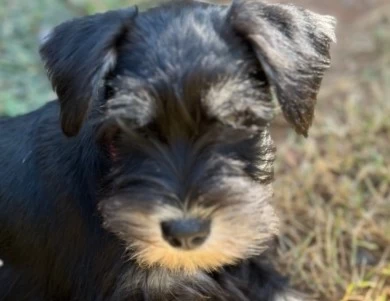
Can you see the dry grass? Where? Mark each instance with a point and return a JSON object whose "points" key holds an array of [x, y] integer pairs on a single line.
{"points": [[333, 190]]}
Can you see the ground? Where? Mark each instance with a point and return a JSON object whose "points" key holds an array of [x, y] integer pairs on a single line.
{"points": [[332, 189]]}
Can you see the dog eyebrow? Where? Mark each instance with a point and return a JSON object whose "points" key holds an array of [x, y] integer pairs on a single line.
{"points": [[231, 97]]}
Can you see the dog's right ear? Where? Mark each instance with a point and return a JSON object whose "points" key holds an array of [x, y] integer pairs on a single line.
{"points": [[78, 54], [292, 45]]}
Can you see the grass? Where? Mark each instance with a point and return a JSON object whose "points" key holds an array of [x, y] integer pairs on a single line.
{"points": [[23, 84], [332, 190]]}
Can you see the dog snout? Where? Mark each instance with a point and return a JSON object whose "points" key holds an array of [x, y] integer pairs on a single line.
{"points": [[186, 234]]}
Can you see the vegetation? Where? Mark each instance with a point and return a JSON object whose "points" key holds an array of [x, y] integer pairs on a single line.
{"points": [[332, 189]]}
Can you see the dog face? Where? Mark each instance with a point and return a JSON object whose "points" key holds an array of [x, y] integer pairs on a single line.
{"points": [[182, 97]]}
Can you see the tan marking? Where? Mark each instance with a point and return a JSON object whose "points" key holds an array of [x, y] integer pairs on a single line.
{"points": [[233, 95], [237, 231], [290, 297]]}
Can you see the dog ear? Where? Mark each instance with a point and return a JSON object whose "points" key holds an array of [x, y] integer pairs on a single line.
{"points": [[78, 54], [292, 45]]}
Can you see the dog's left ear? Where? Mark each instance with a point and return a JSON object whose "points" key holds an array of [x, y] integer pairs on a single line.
{"points": [[292, 45], [78, 54]]}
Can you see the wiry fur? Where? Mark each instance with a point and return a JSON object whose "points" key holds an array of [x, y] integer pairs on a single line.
{"points": [[163, 115], [292, 45], [232, 237]]}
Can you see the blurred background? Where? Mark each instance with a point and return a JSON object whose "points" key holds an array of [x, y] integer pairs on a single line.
{"points": [[332, 189]]}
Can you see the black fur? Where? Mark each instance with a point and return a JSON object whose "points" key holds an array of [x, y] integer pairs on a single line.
{"points": [[138, 122]]}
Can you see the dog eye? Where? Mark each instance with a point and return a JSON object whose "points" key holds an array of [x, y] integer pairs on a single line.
{"points": [[151, 131]]}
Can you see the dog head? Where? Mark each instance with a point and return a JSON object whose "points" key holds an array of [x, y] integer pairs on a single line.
{"points": [[183, 95]]}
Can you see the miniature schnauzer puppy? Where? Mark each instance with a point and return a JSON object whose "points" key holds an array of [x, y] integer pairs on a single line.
{"points": [[150, 177]]}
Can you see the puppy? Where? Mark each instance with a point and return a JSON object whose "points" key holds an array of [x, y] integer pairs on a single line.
{"points": [[150, 177]]}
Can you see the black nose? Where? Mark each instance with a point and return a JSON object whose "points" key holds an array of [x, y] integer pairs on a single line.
{"points": [[186, 234]]}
